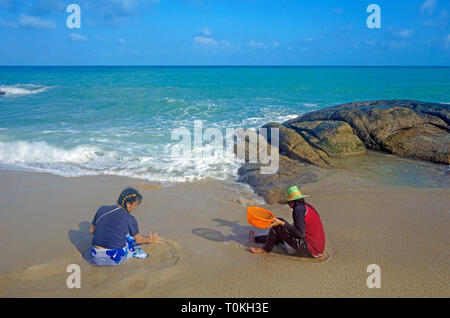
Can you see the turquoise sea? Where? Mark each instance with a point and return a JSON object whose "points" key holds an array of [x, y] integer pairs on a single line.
{"points": [[75, 121]]}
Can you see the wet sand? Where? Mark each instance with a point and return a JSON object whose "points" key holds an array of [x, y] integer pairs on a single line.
{"points": [[44, 221]]}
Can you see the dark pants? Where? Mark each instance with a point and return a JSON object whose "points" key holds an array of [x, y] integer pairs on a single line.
{"points": [[279, 234]]}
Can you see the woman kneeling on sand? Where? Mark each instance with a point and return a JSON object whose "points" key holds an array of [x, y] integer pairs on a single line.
{"points": [[116, 231], [306, 235]]}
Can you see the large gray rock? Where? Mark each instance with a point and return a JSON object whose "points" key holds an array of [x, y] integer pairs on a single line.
{"points": [[407, 128]]}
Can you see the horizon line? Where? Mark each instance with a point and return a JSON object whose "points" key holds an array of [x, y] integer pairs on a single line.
{"points": [[215, 65]]}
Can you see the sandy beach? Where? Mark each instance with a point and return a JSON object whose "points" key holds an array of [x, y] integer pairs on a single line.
{"points": [[44, 223], [207, 108]]}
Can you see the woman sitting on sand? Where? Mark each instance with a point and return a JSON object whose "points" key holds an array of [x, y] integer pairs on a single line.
{"points": [[116, 231], [306, 235]]}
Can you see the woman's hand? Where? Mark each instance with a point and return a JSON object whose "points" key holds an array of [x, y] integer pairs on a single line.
{"points": [[153, 238], [276, 222]]}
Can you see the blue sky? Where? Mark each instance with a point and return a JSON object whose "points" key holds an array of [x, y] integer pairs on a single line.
{"points": [[227, 32]]}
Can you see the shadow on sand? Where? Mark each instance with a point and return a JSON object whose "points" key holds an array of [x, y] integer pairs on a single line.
{"points": [[82, 240], [239, 233]]}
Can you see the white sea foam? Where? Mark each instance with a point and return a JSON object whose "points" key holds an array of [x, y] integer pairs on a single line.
{"points": [[92, 160], [284, 118], [22, 152], [172, 100], [309, 105], [257, 122], [22, 89]]}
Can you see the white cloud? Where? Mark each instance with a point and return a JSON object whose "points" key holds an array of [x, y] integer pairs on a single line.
{"points": [[205, 31], [211, 43], [405, 33], [205, 40], [224, 43], [261, 45], [396, 45], [33, 22], [256, 45], [75, 37], [428, 6]]}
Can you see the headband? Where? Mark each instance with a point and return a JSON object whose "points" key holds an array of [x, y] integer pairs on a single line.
{"points": [[126, 197]]}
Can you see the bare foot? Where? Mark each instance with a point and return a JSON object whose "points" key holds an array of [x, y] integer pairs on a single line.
{"points": [[251, 235], [257, 250]]}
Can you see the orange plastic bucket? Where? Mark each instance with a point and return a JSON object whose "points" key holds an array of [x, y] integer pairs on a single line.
{"points": [[259, 217]]}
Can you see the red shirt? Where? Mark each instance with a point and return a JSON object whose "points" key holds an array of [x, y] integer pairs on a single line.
{"points": [[314, 233]]}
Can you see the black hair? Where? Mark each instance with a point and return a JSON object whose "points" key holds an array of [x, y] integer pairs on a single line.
{"points": [[299, 201], [129, 195]]}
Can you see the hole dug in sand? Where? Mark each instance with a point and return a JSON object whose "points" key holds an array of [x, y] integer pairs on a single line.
{"points": [[162, 255]]}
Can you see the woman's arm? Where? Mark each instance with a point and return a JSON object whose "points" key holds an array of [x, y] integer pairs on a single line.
{"points": [[91, 229], [297, 230]]}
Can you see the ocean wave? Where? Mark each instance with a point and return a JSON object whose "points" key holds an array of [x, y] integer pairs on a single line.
{"points": [[257, 122], [309, 105], [92, 160], [22, 89], [170, 100], [284, 118], [22, 152]]}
